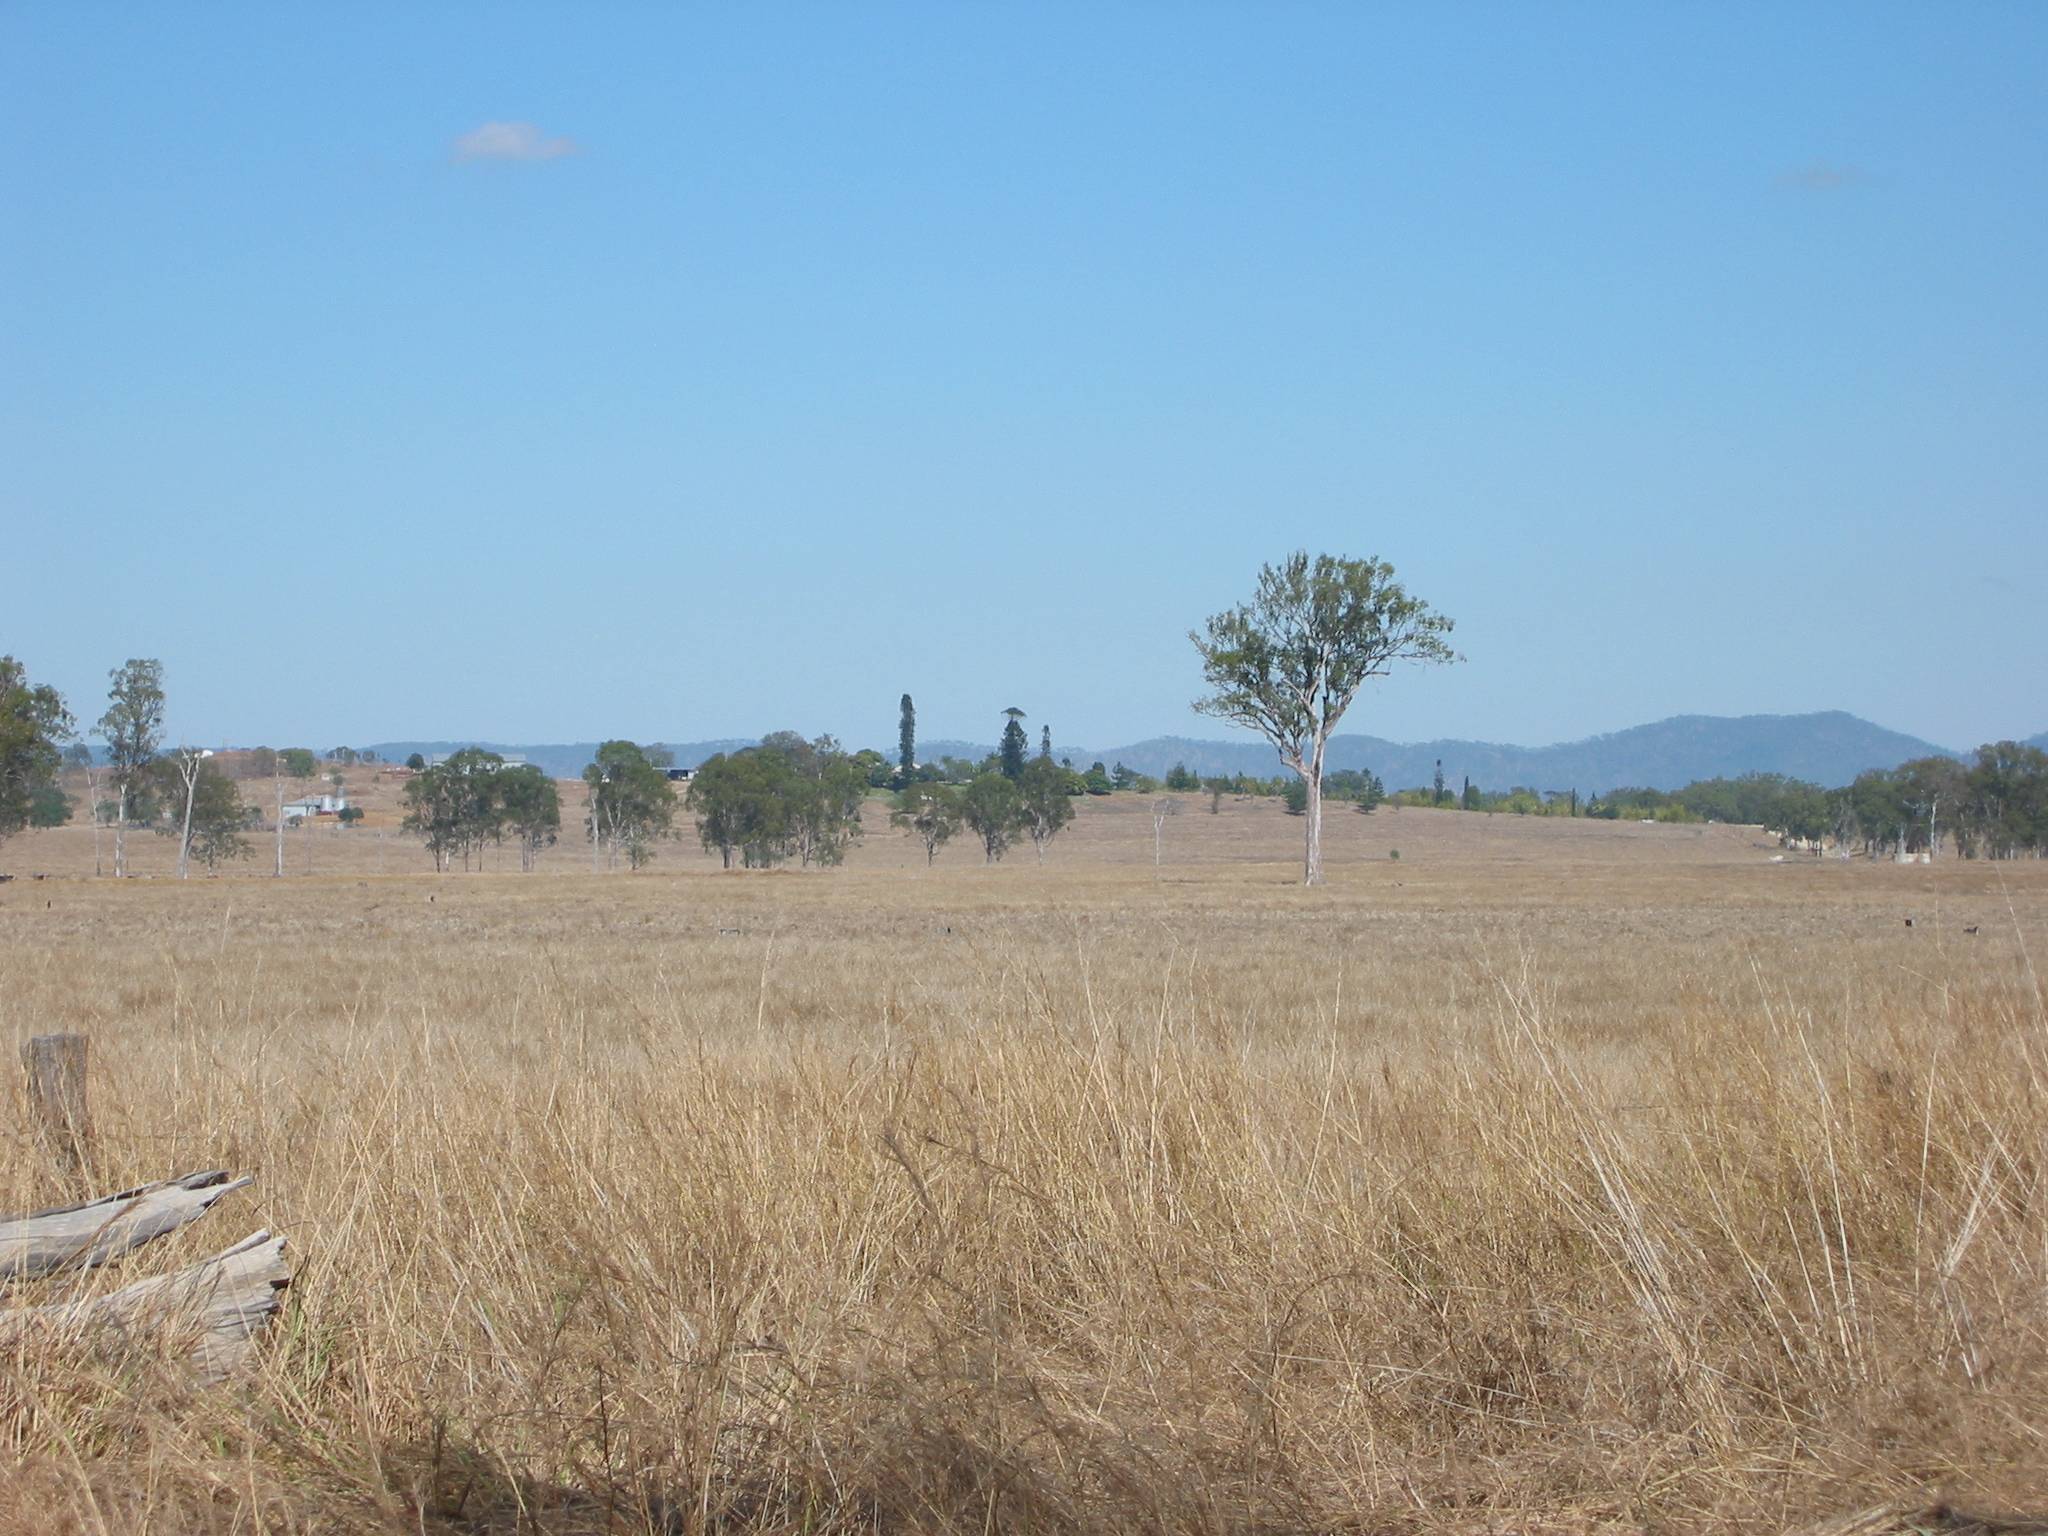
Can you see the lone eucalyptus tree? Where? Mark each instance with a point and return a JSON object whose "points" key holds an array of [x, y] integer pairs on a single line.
{"points": [[1288, 663], [133, 729]]}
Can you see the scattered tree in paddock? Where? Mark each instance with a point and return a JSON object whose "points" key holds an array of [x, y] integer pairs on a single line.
{"points": [[1045, 802], [184, 765], [210, 818], [906, 738], [931, 812], [529, 807], [1163, 808], [992, 808], [1289, 663], [786, 798], [632, 804], [453, 806], [33, 721], [132, 728], [822, 789]]}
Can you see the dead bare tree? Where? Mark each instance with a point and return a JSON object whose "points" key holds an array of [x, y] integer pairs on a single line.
{"points": [[92, 793], [1161, 809]]}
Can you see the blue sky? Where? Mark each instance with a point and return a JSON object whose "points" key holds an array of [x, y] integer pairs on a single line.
{"points": [[545, 373]]}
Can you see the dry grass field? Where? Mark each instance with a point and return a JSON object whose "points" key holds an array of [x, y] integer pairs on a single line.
{"points": [[1555, 1176]]}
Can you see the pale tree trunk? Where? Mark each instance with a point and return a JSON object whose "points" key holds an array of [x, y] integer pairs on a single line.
{"points": [[189, 770], [92, 790], [121, 834], [1312, 777], [277, 781]]}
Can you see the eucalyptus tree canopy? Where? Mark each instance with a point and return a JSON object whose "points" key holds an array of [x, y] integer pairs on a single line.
{"points": [[33, 721], [1288, 663], [133, 729]]}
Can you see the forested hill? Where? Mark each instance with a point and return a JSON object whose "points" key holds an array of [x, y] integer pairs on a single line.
{"points": [[1828, 748]]}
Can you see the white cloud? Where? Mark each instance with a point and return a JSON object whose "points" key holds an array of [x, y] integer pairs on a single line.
{"points": [[511, 141]]}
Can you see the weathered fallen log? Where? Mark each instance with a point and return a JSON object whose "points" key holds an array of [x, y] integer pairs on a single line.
{"points": [[211, 1311], [99, 1231]]}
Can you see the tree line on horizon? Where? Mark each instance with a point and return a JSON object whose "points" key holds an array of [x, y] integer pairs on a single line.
{"points": [[790, 798], [1994, 806]]}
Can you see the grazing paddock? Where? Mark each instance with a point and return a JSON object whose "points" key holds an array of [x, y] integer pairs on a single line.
{"points": [[1556, 1176]]}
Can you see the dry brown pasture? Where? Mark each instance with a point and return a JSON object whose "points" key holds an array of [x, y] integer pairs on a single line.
{"points": [[1556, 1176]]}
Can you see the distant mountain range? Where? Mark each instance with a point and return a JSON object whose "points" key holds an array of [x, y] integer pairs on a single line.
{"points": [[1828, 748]]}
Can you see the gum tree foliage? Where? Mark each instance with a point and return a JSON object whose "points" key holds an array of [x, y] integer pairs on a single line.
{"points": [[133, 729], [300, 763], [1360, 786], [33, 725], [208, 817], [824, 787], [1288, 663], [179, 774], [1044, 802], [993, 811], [1993, 807], [787, 798], [739, 807], [931, 812], [2005, 803], [906, 737], [454, 807], [632, 803], [435, 812], [529, 810]]}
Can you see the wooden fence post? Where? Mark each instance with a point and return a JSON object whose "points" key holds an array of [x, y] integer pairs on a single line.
{"points": [[56, 1094]]}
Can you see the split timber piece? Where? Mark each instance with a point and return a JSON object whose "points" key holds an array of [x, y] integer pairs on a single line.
{"points": [[211, 1311], [81, 1236]]}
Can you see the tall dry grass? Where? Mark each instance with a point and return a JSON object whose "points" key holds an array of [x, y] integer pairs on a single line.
{"points": [[1627, 1197]]}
